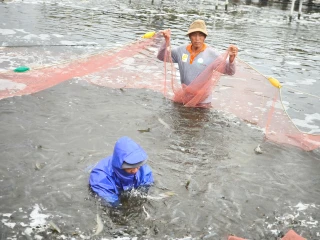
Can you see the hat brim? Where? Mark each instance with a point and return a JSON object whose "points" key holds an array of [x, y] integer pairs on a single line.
{"points": [[127, 165], [197, 30]]}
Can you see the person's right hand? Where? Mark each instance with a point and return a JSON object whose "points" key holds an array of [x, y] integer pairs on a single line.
{"points": [[166, 34], [233, 52]]}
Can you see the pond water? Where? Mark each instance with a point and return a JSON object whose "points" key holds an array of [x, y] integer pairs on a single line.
{"points": [[209, 182]]}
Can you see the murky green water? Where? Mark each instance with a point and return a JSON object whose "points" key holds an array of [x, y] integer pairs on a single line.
{"points": [[51, 139]]}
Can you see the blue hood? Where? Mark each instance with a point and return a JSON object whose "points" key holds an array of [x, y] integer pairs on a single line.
{"points": [[126, 150]]}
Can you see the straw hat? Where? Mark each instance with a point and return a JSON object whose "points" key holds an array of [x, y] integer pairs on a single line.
{"points": [[198, 26]]}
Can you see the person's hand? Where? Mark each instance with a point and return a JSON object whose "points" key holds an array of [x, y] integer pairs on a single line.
{"points": [[233, 52], [166, 34]]}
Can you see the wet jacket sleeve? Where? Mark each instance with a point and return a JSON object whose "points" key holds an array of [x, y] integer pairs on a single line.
{"points": [[146, 176], [104, 186], [146, 179]]}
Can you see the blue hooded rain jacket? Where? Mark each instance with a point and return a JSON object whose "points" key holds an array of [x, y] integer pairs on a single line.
{"points": [[108, 179]]}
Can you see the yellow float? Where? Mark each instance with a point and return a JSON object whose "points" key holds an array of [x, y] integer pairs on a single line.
{"points": [[149, 35], [274, 82]]}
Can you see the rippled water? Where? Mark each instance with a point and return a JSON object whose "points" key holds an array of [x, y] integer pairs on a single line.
{"points": [[51, 139]]}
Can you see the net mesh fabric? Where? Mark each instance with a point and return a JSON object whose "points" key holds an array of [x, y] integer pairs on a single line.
{"points": [[250, 96], [247, 94], [44, 77], [199, 89]]}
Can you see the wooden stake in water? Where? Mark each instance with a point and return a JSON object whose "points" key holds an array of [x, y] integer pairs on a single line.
{"points": [[291, 11], [300, 9]]}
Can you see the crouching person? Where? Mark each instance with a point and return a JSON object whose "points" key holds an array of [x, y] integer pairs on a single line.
{"points": [[124, 170]]}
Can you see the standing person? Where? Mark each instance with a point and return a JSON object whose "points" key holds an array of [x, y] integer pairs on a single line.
{"points": [[123, 171], [193, 58]]}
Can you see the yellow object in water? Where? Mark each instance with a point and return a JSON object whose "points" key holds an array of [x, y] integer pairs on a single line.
{"points": [[149, 35], [274, 82]]}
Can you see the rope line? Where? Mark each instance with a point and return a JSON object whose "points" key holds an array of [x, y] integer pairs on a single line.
{"points": [[311, 95], [281, 101]]}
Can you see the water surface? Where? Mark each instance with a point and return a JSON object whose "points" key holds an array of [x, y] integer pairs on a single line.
{"points": [[51, 139]]}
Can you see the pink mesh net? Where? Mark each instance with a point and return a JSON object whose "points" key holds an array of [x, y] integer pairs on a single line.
{"points": [[250, 96], [247, 94]]}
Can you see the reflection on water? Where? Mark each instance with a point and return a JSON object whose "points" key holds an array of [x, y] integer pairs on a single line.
{"points": [[51, 139]]}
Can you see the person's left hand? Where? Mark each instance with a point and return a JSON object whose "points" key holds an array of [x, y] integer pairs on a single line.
{"points": [[233, 52]]}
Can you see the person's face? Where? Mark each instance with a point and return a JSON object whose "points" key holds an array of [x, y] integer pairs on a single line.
{"points": [[131, 170], [197, 39]]}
